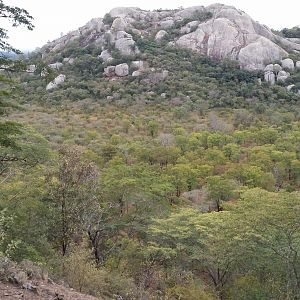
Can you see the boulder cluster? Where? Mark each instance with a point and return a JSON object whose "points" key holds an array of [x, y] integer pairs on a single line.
{"points": [[281, 72], [137, 68]]}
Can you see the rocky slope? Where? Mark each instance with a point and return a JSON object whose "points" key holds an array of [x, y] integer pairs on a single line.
{"points": [[218, 31]]}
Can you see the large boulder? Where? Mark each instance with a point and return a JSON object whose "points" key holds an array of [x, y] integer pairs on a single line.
{"points": [[126, 46], [166, 24], [270, 77], [269, 68], [277, 68], [288, 64], [56, 82], [106, 56], [122, 70], [109, 71], [119, 24], [283, 76], [160, 35]]}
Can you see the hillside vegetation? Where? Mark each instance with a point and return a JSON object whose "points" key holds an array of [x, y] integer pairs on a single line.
{"points": [[168, 185]]}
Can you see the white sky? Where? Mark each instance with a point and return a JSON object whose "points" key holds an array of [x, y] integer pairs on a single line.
{"points": [[53, 17]]}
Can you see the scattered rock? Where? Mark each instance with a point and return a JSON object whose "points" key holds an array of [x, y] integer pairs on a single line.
{"points": [[69, 60], [122, 70], [31, 69], [288, 64], [289, 87], [55, 66], [28, 286], [57, 81], [137, 73]]}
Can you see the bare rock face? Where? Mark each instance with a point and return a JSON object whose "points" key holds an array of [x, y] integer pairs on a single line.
{"points": [[122, 70], [56, 82], [231, 34]]}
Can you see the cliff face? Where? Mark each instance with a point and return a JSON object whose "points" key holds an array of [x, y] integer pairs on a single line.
{"points": [[218, 31]]}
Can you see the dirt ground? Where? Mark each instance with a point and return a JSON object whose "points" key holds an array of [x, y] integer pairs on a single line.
{"points": [[45, 291]]}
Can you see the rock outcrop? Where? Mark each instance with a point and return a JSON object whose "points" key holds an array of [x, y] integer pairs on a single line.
{"points": [[225, 32]]}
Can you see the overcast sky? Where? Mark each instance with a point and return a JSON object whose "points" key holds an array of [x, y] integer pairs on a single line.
{"points": [[53, 17]]}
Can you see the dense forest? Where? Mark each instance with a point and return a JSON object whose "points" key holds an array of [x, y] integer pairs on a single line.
{"points": [[185, 187]]}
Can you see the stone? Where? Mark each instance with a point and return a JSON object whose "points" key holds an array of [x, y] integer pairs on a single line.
{"points": [[289, 87], [123, 34], [277, 68], [189, 27], [126, 46], [69, 60], [288, 64], [166, 24], [298, 65], [269, 68], [106, 56], [31, 69], [283, 76], [119, 24], [55, 66], [137, 73], [122, 70], [109, 71], [56, 82], [139, 64], [189, 12], [160, 35], [28, 286], [270, 77]]}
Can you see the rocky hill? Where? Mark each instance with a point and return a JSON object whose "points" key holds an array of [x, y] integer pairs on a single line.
{"points": [[218, 31]]}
